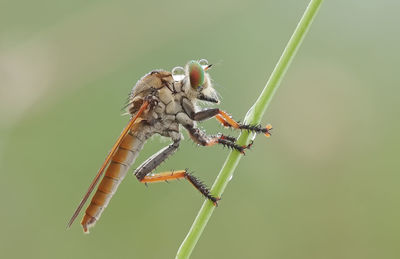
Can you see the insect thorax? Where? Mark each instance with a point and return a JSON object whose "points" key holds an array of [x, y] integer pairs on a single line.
{"points": [[169, 94]]}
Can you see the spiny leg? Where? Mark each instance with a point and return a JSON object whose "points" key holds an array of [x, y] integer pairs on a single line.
{"points": [[227, 121], [175, 175], [155, 160], [229, 142], [223, 118], [201, 138], [142, 172], [229, 138]]}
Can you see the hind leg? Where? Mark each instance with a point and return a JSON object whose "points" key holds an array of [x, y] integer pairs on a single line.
{"points": [[181, 174], [142, 173]]}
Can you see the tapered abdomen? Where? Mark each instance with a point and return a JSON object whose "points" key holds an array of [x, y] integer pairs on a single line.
{"points": [[119, 165]]}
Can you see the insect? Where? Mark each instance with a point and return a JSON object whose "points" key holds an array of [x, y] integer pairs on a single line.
{"points": [[159, 103]]}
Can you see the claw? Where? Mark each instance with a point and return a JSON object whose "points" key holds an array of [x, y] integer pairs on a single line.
{"points": [[250, 144], [246, 147], [267, 129], [215, 203]]}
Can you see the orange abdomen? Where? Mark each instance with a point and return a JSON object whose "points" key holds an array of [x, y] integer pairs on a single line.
{"points": [[120, 162]]}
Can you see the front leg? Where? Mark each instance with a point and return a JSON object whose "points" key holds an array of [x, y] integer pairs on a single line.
{"points": [[201, 138], [223, 118], [228, 122]]}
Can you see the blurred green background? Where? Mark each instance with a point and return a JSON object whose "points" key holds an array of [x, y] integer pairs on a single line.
{"points": [[325, 185]]}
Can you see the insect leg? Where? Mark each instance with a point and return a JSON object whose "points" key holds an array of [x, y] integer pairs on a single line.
{"points": [[155, 160], [223, 118], [205, 114], [174, 175], [201, 138], [227, 121]]}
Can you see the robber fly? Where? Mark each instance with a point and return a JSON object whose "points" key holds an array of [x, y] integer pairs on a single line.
{"points": [[159, 103]]}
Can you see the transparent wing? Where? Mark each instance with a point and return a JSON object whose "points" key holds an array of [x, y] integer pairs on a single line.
{"points": [[107, 160]]}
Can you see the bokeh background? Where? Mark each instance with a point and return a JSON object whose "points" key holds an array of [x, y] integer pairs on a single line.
{"points": [[325, 185]]}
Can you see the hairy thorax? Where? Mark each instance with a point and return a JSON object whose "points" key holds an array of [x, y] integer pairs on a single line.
{"points": [[167, 113]]}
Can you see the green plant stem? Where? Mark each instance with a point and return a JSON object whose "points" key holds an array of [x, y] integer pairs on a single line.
{"points": [[253, 116]]}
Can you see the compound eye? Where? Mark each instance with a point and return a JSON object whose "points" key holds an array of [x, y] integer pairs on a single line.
{"points": [[178, 73], [196, 74]]}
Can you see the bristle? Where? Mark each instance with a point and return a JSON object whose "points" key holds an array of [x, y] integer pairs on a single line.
{"points": [[229, 138], [229, 144], [201, 187], [257, 129]]}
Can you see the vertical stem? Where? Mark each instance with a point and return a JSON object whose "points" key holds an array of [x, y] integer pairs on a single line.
{"points": [[253, 116]]}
